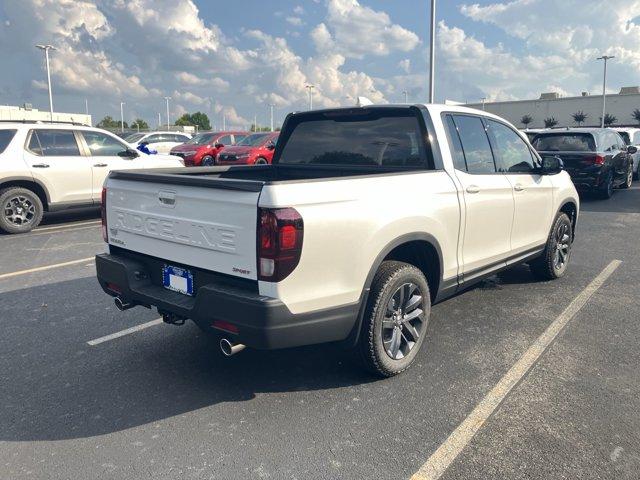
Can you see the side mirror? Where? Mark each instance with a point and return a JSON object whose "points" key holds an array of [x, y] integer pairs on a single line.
{"points": [[271, 146], [218, 145], [128, 153], [631, 149], [552, 165]]}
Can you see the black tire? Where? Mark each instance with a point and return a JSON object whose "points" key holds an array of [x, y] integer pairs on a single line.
{"points": [[21, 210], [261, 161], [553, 262], [208, 161], [606, 190], [629, 180], [375, 346]]}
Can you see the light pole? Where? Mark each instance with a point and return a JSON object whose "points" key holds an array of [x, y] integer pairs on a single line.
{"points": [[167, 100], [46, 49], [121, 117], [271, 105], [159, 120], [432, 53], [255, 122], [224, 122], [483, 100], [86, 106], [310, 88], [406, 96], [604, 86]]}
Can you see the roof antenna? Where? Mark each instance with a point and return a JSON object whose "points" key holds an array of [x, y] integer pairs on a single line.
{"points": [[363, 102]]}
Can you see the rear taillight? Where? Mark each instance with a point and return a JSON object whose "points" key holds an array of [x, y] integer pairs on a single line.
{"points": [[597, 160], [103, 214], [280, 233]]}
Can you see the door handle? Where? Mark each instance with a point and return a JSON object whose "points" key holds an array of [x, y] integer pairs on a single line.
{"points": [[100, 164], [518, 188], [473, 189], [41, 165]]}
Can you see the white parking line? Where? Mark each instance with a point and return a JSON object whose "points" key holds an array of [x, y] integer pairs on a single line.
{"points": [[444, 456], [127, 331], [46, 267], [68, 225]]}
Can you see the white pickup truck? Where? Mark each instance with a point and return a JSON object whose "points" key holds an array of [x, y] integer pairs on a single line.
{"points": [[366, 217]]}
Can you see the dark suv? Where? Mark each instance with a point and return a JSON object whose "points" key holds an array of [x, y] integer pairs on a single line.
{"points": [[596, 158]]}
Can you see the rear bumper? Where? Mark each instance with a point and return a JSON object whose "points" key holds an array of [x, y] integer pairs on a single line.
{"points": [[587, 180], [262, 322]]}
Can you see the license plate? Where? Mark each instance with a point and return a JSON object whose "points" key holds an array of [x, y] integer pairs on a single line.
{"points": [[177, 279]]}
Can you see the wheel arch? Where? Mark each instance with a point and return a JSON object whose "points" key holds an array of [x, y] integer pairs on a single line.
{"points": [[419, 249], [570, 207], [30, 184]]}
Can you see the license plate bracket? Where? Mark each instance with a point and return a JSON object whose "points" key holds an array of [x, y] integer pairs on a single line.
{"points": [[177, 279]]}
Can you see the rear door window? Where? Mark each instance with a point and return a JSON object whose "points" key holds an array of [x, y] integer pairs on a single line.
{"points": [[102, 145], [564, 142], [225, 140], [475, 144], [456, 147], [54, 143], [380, 137], [5, 138], [511, 152]]}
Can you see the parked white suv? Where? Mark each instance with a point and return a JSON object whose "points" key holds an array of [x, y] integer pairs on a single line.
{"points": [[47, 167], [631, 137], [365, 218], [161, 142]]}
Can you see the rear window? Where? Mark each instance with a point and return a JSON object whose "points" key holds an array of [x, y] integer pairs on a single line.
{"points": [[564, 142], [625, 137], [5, 138], [383, 137], [253, 140]]}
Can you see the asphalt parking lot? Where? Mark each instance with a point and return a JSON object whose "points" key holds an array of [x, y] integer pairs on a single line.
{"points": [[160, 402]]}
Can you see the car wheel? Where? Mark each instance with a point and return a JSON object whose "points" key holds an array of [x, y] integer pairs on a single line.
{"points": [[21, 211], [261, 161], [627, 183], [208, 161], [553, 262], [395, 320], [606, 190]]}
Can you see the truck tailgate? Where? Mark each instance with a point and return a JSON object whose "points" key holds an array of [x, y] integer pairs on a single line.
{"points": [[211, 228]]}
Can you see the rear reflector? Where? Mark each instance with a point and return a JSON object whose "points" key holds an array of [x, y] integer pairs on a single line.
{"points": [[226, 326], [280, 234], [103, 215], [114, 288]]}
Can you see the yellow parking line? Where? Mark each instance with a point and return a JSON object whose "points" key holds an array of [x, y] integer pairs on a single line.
{"points": [[46, 267]]}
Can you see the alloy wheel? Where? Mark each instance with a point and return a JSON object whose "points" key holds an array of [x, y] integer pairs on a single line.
{"points": [[563, 246], [19, 210], [403, 322]]}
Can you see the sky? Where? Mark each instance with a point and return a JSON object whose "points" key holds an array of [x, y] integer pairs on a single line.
{"points": [[236, 58]]}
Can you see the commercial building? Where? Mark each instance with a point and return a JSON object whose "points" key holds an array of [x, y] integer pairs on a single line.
{"points": [[26, 112], [551, 105]]}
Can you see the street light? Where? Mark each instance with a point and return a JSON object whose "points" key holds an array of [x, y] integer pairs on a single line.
{"points": [[167, 100], [271, 105], [46, 49], [604, 86], [121, 117], [310, 88], [483, 100], [406, 96], [432, 53]]}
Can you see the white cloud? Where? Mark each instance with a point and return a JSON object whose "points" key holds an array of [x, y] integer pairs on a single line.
{"points": [[298, 10], [295, 21], [354, 30], [405, 65]]}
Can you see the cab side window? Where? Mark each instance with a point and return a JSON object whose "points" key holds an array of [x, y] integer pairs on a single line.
{"points": [[636, 139], [54, 143], [456, 147], [511, 152], [475, 144], [101, 145]]}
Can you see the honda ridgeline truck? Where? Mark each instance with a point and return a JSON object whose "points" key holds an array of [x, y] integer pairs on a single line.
{"points": [[366, 217]]}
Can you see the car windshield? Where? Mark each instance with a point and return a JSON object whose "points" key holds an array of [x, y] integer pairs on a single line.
{"points": [[134, 137], [201, 139], [253, 140], [564, 142], [625, 137]]}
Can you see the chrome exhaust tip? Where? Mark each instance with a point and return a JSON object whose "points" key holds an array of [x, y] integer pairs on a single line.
{"points": [[122, 305], [229, 348]]}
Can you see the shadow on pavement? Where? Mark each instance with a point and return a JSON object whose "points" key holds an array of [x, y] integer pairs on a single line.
{"points": [[66, 389], [623, 201]]}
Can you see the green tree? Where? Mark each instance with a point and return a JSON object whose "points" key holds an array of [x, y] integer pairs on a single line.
{"points": [[199, 119], [636, 115], [258, 128], [526, 120], [550, 122], [579, 117], [140, 124], [608, 119], [108, 122]]}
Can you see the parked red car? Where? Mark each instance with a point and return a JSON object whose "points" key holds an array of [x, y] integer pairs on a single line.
{"points": [[203, 148], [254, 149]]}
